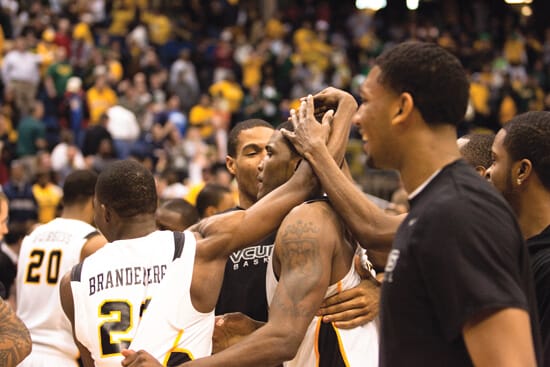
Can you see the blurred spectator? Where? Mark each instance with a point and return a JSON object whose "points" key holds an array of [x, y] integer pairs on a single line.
{"points": [[201, 115], [21, 75], [124, 129], [22, 206], [48, 196], [73, 108], [66, 156], [94, 135], [100, 97], [31, 136]]}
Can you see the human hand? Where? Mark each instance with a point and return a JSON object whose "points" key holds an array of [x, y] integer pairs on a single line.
{"points": [[353, 307], [308, 132], [230, 328], [138, 359], [329, 99]]}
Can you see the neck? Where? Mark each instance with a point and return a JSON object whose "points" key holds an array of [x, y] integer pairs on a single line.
{"points": [[426, 153], [245, 201], [138, 226], [533, 211], [77, 212]]}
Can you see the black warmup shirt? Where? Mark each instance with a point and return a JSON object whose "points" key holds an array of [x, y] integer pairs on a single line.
{"points": [[243, 288], [459, 252], [539, 253]]}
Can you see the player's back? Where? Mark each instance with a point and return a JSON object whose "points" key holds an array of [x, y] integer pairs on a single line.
{"points": [[113, 287], [172, 329], [46, 255]]}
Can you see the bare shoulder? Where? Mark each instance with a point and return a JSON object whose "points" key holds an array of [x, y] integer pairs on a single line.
{"points": [[318, 211]]}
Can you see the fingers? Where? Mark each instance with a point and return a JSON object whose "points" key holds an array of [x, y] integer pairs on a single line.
{"points": [[327, 118], [355, 322], [129, 357], [345, 296], [294, 118]]}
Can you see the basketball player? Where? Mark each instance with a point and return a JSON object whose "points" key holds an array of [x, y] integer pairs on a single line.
{"points": [[458, 289], [312, 259], [105, 296], [46, 254]]}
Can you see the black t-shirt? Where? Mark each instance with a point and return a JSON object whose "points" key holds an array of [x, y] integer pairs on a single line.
{"points": [[459, 252], [539, 253], [243, 288]]}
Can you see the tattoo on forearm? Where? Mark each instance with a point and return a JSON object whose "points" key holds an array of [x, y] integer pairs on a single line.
{"points": [[14, 337]]}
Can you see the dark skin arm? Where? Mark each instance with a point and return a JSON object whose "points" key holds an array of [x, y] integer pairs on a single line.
{"points": [[67, 302], [15, 340], [92, 245], [373, 228], [304, 252]]}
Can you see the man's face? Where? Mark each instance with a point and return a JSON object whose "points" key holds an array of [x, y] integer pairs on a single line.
{"points": [[373, 118], [500, 172], [277, 166], [250, 152]]}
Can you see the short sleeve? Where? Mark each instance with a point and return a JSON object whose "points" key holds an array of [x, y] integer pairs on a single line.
{"points": [[468, 257]]}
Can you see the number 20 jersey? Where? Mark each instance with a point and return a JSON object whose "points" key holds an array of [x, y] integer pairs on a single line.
{"points": [[47, 253], [113, 287]]}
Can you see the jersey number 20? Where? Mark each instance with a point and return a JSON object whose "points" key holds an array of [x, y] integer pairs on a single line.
{"points": [[52, 267]]}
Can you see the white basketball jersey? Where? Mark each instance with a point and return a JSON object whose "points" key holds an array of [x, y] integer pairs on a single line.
{"points": [[49, 252], [325, 345], [171, 329], [112, 288]]}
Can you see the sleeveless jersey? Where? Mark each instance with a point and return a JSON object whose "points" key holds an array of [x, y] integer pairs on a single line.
{"points": [[325, 345], [49, 252], [171, 329], [112, 288]]}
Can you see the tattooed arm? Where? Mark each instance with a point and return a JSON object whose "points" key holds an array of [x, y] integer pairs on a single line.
{"points": [[303, 251], [15, 340]]}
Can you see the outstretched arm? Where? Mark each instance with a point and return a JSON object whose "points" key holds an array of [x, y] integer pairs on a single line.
{"points": [[15, 340], [303, 248], [373, 228]]}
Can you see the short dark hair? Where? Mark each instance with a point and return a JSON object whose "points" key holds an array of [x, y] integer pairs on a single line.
{"points": [[434, 77], [288, 125], [528, 136], [210, 195], [128, 188], [79, 186], [188, 213], [477, 150], [233, 139]]}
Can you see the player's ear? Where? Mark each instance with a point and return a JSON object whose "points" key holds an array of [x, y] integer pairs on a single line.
{"points": [[230, 164], [403, 108]]}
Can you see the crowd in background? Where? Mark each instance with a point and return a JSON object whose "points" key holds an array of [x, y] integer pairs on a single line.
{"points": [[88, 82]]}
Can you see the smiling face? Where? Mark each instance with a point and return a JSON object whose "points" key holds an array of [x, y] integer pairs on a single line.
{"points": [[249, 153], [373, 118], [277, 166]]}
